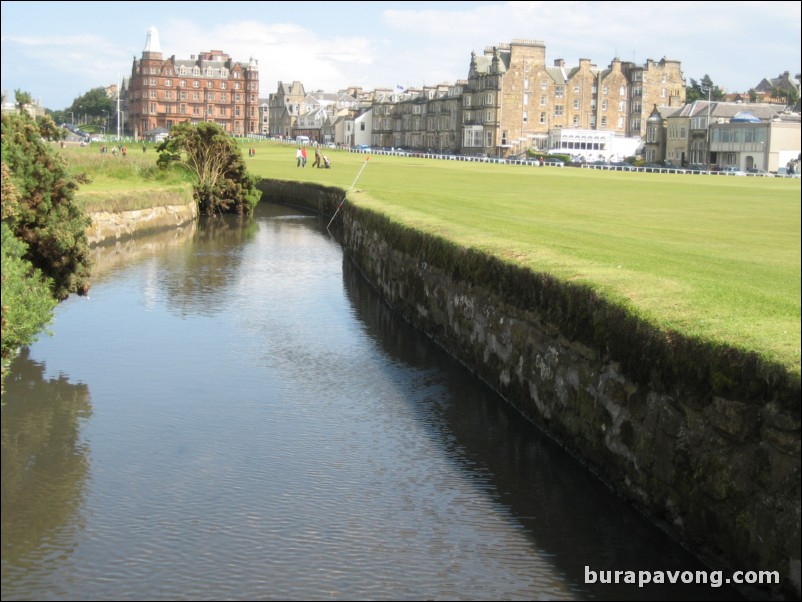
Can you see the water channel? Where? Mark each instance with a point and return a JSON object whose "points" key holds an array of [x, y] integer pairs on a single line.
{"points": [[233, 413]]}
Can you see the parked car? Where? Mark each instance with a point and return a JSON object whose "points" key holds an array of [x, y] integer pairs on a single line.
{"points": [[553, 162], [731, 170], [758, 172]]}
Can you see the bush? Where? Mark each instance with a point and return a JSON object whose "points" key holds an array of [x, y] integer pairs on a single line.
{"points": [[40, 209], [27, 305]]}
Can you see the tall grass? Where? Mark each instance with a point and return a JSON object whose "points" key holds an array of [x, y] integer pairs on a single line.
{"points": [[116, 183]]}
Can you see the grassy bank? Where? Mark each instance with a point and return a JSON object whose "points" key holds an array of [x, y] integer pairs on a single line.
{"points": [[124, 184], [715, 258]]}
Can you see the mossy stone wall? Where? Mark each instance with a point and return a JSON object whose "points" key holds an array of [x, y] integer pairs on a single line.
{"points": [[704, 439]]}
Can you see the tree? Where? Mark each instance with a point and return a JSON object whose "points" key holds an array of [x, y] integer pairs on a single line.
{"points": [[42, 212], [48, 128], [213, 159], [699, 90], [95, 104], [22, 99]]}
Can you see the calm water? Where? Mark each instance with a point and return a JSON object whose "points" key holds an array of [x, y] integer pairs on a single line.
{"points": [[234, 414]]}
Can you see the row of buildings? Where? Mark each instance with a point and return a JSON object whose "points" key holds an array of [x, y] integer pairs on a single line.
{"points": [[512, 101]]}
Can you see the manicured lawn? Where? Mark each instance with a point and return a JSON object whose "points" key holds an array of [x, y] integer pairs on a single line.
{"points": [[716, 258], [712, 257]]}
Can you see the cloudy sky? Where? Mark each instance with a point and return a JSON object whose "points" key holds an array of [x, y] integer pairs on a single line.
{"points": [[59, 50]]}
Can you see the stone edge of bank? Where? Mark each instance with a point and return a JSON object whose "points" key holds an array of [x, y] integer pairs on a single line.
{"points": [[108, 226], [704, 439]]}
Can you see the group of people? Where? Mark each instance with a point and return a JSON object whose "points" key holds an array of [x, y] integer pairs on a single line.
{"points": [[320, 159], [123, 150]]}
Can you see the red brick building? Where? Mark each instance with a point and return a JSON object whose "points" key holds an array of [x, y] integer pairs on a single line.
{"points": [[210, 87]]}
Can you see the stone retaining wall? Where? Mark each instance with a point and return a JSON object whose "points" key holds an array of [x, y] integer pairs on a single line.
{"points": [[704, 439], [108, 226]]}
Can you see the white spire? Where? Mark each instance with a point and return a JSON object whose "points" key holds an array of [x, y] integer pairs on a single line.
{"points": [[152, 44]]}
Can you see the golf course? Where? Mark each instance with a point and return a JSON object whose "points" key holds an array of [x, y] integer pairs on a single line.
{"points": [[712, 257]]}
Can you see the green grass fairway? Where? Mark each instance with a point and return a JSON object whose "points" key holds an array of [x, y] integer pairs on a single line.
{"points": [[715, 258]]}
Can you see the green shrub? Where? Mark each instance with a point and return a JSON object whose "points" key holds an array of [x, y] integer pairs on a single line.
{"points": [[27, 305], [44, 214]]}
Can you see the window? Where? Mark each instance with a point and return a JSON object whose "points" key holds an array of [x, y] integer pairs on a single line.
{"points": [[576, 104], [223, 85], [544, 85], [604, 104], [558, 110], [196, 84], [575, 121], [525, 117], [542, 100], [543, 117], [168, 82], [182, 83], [168, 94], [604, 122], [576, 88], [153, 93], [466, 101], [210, 84], [605, 90], [621, 106], [489, 116], [152, 81], [621, 91], [489, 139], [559, 92], [526, 99], [526, 83], [361, 126], [196, 96], [489, 98]]}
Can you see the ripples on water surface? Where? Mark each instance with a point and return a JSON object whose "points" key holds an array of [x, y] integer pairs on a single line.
{"points": [[236, 415]]}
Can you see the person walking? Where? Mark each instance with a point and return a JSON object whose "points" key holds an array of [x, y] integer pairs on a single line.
{"points": [[298, 156], [303, 156], [317, 158]]}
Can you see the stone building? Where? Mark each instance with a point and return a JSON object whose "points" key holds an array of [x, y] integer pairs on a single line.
{"points": [[285, 106], [207, 87], [512, 100]]}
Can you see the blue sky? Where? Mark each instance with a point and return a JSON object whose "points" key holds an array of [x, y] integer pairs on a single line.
{"points": [[59, 50]]}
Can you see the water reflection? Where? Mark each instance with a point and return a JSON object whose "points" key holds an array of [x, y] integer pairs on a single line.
{"points": [[263, 427], [45, 464], [567, 514], [201, 275]]}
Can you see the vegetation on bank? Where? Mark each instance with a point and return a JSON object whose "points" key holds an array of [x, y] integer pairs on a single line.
{"points": [[115, 183], [714, 258], [214, 162], [44, 244]]}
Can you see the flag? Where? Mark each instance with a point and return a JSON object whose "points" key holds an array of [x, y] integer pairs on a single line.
{"points": [[399, 87]]}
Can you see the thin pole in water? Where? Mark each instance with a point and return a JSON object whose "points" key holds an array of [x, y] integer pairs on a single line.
{"points": [[361, 169]]}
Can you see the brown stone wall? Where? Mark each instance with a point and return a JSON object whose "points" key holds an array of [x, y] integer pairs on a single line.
{"points": [[705, 440]]}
